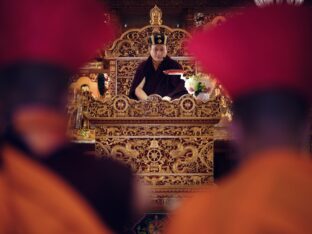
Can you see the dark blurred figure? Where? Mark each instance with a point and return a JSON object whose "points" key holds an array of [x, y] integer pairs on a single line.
{"points": [[40, 49], [262, 57], [101, 83], [225, 159]]}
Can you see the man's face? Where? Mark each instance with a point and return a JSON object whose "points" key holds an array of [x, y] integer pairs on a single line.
{"points": [[158, 52], [42, 128]]}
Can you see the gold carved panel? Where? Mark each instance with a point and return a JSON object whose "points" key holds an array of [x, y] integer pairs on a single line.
{"points": [[168, 144], [134, 42], [155, 130], [163, 156], [185, 108], [127, 68], [173, 159]]}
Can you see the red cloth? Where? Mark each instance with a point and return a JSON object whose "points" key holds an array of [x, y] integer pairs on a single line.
{"points": [[59, 32], [259, 49]]}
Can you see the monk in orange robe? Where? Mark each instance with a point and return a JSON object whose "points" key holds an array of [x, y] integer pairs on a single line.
{"points": [[270, 194], [34, 200], [262, 57], [42, 44]]}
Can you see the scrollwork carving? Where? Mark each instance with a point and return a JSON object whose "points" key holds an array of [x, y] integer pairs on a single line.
{"points": [[177, 180], [134, 42], [121, 106], [155, 130], [163, 157]]}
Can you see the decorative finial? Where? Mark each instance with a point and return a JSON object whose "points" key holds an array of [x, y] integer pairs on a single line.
{"points": [[156, 16]]}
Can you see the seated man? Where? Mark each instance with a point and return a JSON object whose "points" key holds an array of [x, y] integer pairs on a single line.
{"points": [[150, 78]]}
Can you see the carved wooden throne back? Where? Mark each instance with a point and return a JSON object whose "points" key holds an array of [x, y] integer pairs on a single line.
{"points": [[131, 49]]}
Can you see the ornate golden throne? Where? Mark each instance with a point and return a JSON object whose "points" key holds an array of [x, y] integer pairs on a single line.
{"points": [[168, 144]]}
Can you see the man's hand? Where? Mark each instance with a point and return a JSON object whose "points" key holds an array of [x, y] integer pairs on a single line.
{"points": [[139, 92]]}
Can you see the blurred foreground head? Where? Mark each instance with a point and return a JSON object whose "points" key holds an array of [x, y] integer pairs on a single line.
{"points": [[42, 44], [263, 58]]}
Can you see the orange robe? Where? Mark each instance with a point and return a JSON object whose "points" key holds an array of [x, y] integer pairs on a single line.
{"points": [[33, 200], [269, 194]]}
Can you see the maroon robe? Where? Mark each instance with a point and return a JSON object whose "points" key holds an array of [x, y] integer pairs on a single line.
{"points": [[156, 82]]}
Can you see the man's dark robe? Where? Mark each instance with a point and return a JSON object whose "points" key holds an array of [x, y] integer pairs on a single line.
{"points": [[156, 82]]}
